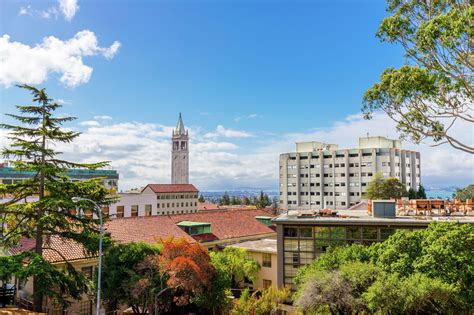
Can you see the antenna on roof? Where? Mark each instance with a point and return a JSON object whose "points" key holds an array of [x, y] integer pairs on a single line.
{"points": [[367, 134]]}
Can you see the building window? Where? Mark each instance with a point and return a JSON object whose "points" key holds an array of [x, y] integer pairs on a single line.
{"points": [[147, 210], [105, 211], [134, 212], [266, 260], [87, 271], [120, 211], [290, 232]]}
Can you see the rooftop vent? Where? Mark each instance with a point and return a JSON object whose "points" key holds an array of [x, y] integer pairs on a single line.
{"points": [[264, 220], [383, 209], [195, 228]]}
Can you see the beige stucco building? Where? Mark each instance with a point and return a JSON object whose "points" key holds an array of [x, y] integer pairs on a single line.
{"points": [[320, 175], [265, 253]]}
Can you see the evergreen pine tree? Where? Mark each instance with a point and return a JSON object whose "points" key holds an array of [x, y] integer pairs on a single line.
{"points": [[411, 193], [201, 198], [32, 150], [421, 194]]}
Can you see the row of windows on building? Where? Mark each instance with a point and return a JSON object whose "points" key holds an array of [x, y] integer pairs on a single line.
{"points": [[342, 155], [316, 203], [120, 210], [338, 165], [326, 193], [173, 196]]}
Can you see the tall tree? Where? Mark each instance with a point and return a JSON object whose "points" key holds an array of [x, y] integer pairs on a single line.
{"points": [[130, 277], [434, 92], [421, 193], [32, 150], [411, 193]]}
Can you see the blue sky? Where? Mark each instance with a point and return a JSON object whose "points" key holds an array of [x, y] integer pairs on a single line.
{"points": [[270, 72]]}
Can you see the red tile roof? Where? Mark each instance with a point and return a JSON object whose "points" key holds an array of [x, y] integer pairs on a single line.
{"points": [[225, 224], [172, 188], [144, 229], [55, 249]]}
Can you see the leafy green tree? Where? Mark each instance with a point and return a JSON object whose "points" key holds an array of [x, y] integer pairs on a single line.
{"points": [[416, 294], [393, 188], [464, 193], [124, 273], [385, 188], [235, 265], [411, 193], [201, 198], [225, 199], [434, 92], [246, 200], [375, 187], [31, 148]]}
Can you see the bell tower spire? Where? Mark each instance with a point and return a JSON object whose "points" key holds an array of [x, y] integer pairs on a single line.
{"points": [[180, 154]]}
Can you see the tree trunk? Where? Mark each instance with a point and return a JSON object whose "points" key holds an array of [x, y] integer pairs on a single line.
{"points": [[37, 297]]}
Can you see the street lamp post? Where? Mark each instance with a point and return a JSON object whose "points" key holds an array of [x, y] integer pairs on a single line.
{"points": [[99, 272]]}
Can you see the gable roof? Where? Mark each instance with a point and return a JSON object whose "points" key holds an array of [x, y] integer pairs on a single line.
{"points": [[172, 188]]}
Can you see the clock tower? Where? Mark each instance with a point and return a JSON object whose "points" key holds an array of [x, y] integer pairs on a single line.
{"points": [[180, 154]]}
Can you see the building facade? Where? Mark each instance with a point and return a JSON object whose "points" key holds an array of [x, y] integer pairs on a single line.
{"points": [[10, 175], [180, 154], [301, 239], [321, 175], [155, 199], [265, 253]]}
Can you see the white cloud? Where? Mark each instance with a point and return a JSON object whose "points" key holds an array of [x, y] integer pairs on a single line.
{"points": [[246, 117], [22, 63], [89, 123], [221, 131], [60, 101], [141, 152], [68, 8], [103, 117], [25, 10]]}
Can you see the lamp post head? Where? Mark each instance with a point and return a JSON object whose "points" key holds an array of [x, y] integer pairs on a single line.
{"points": [[77, 199]]}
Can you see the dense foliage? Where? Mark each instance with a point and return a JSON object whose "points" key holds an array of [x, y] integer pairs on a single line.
{"points": [[381, 188], [236, 268], [170, 277], [424, 271], [433, 92], [32, 149], [263, 302], [464, 193]]}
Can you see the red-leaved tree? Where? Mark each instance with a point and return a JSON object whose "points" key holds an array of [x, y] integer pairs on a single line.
{"points": [[189, 269]]}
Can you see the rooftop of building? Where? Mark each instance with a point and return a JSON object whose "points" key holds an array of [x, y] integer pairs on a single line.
{"points": [[172, 188], [368, 142], [265, 246], [356, 217], [225, 226], [6, 169]]}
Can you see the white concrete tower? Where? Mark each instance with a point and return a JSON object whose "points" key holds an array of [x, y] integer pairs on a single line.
{"points": [[180, 154]]}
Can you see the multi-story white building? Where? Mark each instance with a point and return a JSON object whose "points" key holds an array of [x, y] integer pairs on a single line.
{"points": [[320, 175], [156, 199]]}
